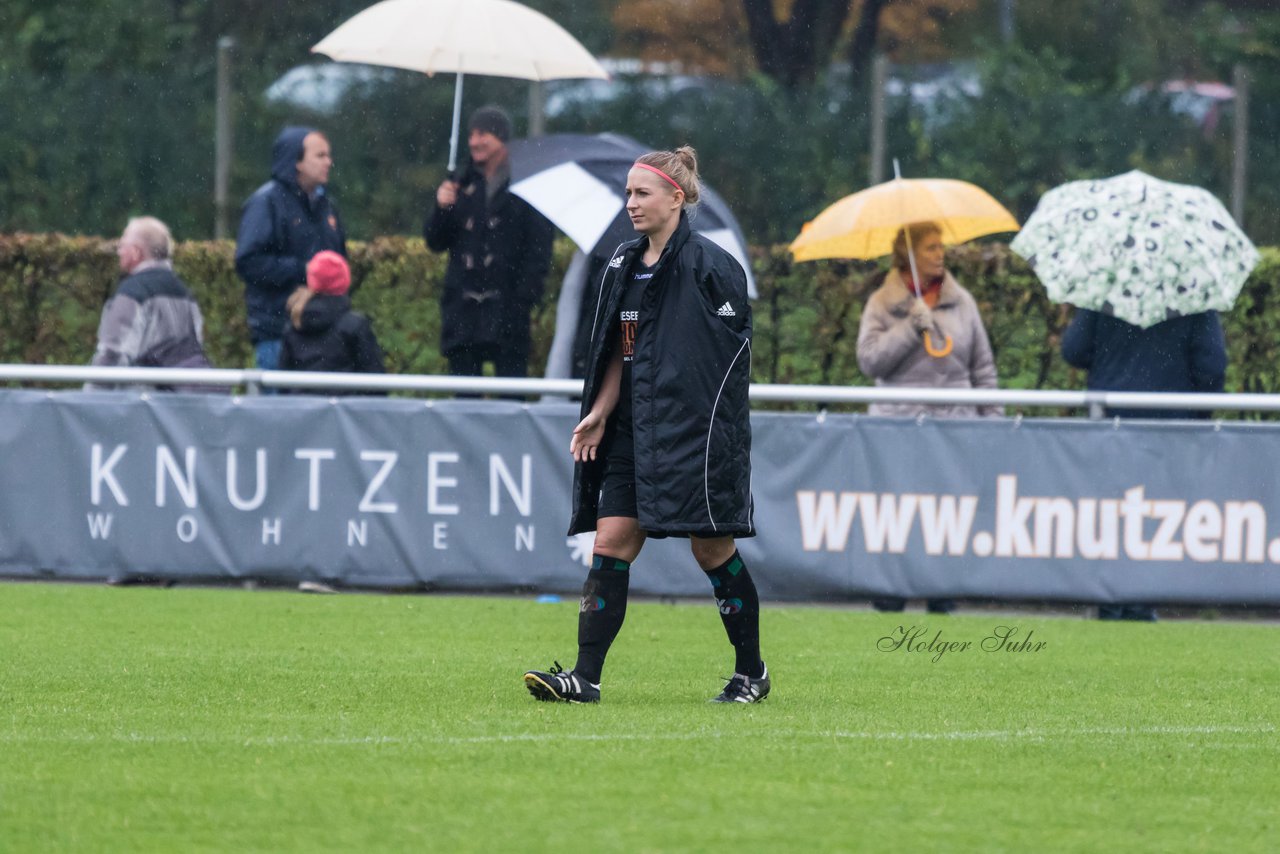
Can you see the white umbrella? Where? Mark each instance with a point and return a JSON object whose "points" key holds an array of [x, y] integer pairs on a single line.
{"points": [[498, 38]]}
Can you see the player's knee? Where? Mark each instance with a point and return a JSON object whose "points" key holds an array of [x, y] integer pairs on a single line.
{"points": [[711, 553], [612, 549], [617, 544]]}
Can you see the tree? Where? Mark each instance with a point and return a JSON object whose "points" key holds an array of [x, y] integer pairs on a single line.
{"points": [[793, 51], [791, 42], [865, 36], [707, 36], [796, 50]]}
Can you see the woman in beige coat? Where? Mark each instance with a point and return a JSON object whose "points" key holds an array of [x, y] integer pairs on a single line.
{"points": [[926, 337], [931, 340]]}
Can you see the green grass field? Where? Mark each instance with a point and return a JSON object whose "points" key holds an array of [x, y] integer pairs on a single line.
{"points": [[204, 719]]}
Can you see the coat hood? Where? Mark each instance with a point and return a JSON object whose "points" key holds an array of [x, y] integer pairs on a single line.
{"points": [[322, 311], [286, 151]]}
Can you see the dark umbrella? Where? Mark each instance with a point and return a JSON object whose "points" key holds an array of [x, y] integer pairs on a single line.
{"points": [[577, 182]]}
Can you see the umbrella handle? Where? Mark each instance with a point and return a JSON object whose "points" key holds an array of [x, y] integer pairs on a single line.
{"points": [[939, 352]]}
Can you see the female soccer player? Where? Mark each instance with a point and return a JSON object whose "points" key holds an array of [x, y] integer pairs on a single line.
{"points": [[664, 444]]}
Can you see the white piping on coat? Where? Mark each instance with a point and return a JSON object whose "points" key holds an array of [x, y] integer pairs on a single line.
{"points": [[706, 460]]}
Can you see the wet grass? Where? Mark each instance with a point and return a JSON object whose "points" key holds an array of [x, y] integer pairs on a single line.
{"points": [[204, 719]]}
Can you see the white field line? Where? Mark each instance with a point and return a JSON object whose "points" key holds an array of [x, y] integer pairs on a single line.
{"points": [[1029, 734]]}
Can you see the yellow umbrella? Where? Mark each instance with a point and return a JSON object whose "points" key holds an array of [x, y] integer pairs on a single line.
{"points": [[863, 225]]}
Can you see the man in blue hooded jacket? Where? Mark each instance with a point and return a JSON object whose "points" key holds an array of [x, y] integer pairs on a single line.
{"points": [[284, 223]]}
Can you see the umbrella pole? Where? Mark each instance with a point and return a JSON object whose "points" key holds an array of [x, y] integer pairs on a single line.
{"points": [[457, 121], [911, 259], [906, 231], [945, 349]]}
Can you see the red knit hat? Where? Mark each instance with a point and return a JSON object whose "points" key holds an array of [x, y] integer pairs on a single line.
{"points": [[328, 273]]}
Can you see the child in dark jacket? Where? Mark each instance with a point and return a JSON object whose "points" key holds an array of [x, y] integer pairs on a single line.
{"points": [[322, 333]]}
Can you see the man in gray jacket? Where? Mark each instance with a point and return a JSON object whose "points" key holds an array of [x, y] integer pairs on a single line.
{"points": [[151, 320]]}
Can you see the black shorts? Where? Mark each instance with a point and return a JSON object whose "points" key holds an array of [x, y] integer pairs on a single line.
{"points": [[618, 485]]}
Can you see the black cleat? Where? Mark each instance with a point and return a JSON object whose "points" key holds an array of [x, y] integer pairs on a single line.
{"points": [[744, 689], [557, 686]]}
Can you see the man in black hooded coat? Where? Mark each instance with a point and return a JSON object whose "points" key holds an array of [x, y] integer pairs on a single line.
{"points": [[284, 224]]}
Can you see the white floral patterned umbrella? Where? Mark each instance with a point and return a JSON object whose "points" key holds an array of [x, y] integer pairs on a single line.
{"points": [[1138, 248]]}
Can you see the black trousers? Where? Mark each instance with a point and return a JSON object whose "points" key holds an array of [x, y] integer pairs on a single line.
{"points": [[469, 362]]}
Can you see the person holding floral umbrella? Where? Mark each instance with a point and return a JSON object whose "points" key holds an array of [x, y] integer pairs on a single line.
{"points": [[1148, 264], [1182, 354]]}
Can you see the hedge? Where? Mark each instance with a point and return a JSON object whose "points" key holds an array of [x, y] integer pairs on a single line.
{"points": [[806, 317]]}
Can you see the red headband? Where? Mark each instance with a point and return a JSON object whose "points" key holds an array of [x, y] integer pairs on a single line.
{"points": [[663, 175]]}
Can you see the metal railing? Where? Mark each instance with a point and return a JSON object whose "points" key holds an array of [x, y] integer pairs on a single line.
{"points": [[254, 381]]}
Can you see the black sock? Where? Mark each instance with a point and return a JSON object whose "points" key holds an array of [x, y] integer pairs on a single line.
{"points": [[600, 616], [739, 606]]}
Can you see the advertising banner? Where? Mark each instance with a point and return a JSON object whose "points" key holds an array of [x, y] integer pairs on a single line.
{"points": [[474, 495]]}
